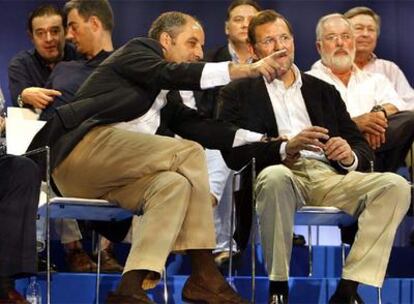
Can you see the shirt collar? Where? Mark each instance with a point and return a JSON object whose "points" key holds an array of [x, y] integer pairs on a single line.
{"points": [[233, 55], [96, 60], [297, 84]]}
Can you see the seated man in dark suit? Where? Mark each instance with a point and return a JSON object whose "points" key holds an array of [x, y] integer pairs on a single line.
{"points": [[317, 163], [103, 146], [19, 197]]}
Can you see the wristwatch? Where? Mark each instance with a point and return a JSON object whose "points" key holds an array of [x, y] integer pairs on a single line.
{"points": [[20, 101], [379, 108]]}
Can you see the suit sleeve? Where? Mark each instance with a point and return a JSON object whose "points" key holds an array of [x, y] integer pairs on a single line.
{"points": [[141, 62], [350, 132], [189, 124], [233, 109], [19, 78]]}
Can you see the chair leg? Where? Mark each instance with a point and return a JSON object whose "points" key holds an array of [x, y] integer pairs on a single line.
{"points": [[379, 295], [343, 253], [98, 269], [164, 278], [310, 250], [232, 214]]}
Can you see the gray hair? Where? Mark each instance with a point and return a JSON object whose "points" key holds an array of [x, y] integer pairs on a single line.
{"points": [[363, 10], [324, 19], [169, 22]]}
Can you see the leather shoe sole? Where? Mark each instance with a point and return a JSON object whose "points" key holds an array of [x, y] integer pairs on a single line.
{"points": [[116, 298], [196, 293]]}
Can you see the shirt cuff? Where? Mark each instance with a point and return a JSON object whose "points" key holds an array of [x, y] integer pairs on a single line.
{"points": [[215, 74], [353, 166], [243, 137], [282, 151]]}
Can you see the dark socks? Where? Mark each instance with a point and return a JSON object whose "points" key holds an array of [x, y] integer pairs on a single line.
{"points": [[346, 289], [6, 283], [131, 281], [279, 288]]}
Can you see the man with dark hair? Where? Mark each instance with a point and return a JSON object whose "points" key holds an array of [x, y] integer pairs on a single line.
{"points": [[29, 70], [92, 37], [367, 26], [315, 163], [19, 197], [103, 146]]}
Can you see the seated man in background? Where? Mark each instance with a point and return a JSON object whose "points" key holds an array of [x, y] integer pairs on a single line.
{"points": [[315, 161], [19, 197], [370, 98], [239, 13], [103, 146], [367, 26], [90, 25], [28, 72]]}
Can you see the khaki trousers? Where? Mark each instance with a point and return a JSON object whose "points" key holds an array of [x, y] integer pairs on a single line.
{"points": [[379, 200], [165, 177]]}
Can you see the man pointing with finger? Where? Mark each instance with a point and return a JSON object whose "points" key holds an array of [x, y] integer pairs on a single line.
{"points": [[29, 70], [317, 164]]}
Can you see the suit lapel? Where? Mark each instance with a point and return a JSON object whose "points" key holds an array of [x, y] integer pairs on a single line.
{"points": [[263, 104], [312, 96]]}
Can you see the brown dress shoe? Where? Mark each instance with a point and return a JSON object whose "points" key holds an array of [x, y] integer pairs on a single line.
{"points": [[79, 261], [109, 262], [140, 297], [194, 292], [13, 297]]}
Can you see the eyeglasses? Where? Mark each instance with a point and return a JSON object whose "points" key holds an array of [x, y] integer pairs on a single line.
{"points": [[42, 33], [271, 41], [343, 36]]}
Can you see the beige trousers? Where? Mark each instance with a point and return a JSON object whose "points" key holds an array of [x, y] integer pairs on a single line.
{"points": [[379, 200], [165, 177]]}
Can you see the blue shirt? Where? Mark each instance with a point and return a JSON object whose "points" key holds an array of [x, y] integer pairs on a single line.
{"points": [[67, 77], [29, 69]]}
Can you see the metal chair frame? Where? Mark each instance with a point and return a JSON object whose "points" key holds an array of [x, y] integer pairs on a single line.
{"points": [[69, 207], [307, 215]]}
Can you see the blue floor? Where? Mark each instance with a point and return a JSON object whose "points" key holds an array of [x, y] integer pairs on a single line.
{"points": [[398, 288]]}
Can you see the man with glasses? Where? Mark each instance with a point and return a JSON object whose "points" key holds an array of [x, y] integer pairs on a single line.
{"points": [[314, 160], [29, 70], [370, 98]]}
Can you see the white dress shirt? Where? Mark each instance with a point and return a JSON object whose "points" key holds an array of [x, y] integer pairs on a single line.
{"points": [[292, 116], [364, 89], [214, 74], [394, 74]]}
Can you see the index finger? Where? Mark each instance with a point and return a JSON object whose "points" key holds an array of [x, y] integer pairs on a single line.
{"points": [[278, 54], [51, 92]]}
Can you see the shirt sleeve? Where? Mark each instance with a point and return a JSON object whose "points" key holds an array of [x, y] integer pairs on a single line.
{"points": [[215, 74], [243, 137], [385, 93], [353, 166]]}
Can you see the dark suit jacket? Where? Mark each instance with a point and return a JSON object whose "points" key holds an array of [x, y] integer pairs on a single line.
{"points": [[246, 103], [122, 88]]}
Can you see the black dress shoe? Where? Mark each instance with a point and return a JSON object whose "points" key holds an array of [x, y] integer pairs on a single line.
{"points": [[138, 298], [278, 299], [335, 299], [42, 265], [298, 240]]}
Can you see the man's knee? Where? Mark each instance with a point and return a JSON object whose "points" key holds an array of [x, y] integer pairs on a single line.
{"points": [[274, 177], [398, 188], [25, 170]]}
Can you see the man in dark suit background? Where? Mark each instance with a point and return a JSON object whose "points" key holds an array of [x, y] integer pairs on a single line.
{"points": [[102, 145], [19, 197], [316, 163]]}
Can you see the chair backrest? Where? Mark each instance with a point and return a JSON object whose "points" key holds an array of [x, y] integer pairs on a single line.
{"points": [[21, 126]]}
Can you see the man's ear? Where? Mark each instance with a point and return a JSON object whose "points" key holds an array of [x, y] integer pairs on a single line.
{"points": [[165, 40], [252, 51], [318, 46], [95, 23], [226, 28]]}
